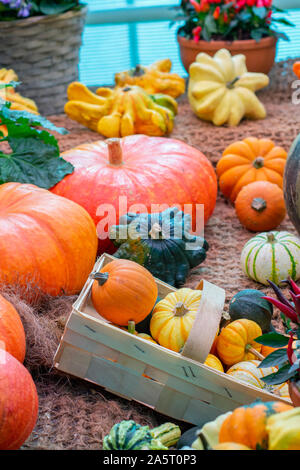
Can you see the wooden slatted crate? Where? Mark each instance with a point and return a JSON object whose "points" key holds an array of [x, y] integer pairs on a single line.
{"points": [[177, 385]]}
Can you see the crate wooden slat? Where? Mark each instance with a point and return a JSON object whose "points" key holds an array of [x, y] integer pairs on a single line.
{"points": [[136, 369]]}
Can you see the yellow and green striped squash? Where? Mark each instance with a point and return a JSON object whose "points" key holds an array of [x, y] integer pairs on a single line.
{"points": [[271, 255]]}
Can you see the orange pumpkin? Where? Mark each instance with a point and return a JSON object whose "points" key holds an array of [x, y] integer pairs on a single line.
{"points": [[249, 160], [236, 341], [45, 240], [260, 206], [123, 291], [247, 425], [214, 362], [140, 169], [296, 68], [12, 335]]}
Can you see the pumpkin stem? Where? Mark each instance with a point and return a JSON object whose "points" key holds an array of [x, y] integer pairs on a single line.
{"points": [[115, 155], [258, 162], [180, 310], [254, 352], [131, 327], [259, 204], [100, 277], [271, 237], [138, 71], [231, 84]]}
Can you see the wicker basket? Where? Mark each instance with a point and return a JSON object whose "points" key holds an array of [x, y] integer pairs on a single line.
{"points": [[44, 52]]}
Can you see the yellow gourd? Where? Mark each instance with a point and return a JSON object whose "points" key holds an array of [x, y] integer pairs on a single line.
{"points": [[222, 91], [156, 78], [121, 112], [18, 102], [284, 430], [214, 362], [173, 318]]}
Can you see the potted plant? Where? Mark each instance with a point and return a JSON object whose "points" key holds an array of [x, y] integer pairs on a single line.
{"points": [[287, 355], [40, 40], [241, 26]]}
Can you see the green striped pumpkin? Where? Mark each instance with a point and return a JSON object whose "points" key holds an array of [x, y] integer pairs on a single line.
{"points": [[272, 255]]}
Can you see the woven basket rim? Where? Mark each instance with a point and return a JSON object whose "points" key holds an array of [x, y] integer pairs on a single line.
{"points": [[28, 22]]}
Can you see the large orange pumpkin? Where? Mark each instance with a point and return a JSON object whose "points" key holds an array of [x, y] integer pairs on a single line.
{"points": [[44, 239], [123, 291], [146, 170], [247, 425], [250, 160], [236, 341], [18, 403], [12, 335]]}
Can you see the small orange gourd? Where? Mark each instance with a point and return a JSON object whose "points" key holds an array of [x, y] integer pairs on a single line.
{"points": [[122, 291], [236, 342], [249, 160], [214, 362], [246, 425], [260, 206]]}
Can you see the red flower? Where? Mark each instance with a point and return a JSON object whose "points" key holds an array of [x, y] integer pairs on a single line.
{"points": [[216, 13]]}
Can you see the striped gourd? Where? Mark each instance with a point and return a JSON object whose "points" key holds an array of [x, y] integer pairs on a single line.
{"points": [[249, 372], [272, 255]]}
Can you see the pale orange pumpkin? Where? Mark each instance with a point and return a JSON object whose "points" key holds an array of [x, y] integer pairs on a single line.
{"points": [[123, 291], [12, 335], [249, 160], [260, 206], [214, 362], [236, 342]]}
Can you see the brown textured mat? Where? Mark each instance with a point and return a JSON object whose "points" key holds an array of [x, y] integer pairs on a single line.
{"points": [[76, 415]]}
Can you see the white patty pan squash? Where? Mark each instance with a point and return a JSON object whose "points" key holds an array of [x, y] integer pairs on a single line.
{"points": [[271, 255], [221, 89]]}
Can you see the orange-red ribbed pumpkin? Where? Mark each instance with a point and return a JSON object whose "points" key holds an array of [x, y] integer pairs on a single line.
{"points": [[12, 335], [18, 403], [45, 239], [147, 170]]}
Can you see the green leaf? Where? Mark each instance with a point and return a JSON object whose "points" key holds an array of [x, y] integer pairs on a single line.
{"points": [[276, 358], [284, 21], [295, 367], [256, 35], [52, 7], [210, 24], [282, 375], [261, 12], [274, 340]]}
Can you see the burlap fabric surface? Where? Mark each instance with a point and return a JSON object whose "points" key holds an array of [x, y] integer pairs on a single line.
{"points": [[76, 415]]}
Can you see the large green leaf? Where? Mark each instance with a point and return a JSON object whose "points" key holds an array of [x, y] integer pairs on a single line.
{"points": [[276, 358], [274, 340], [282, 375], [55, 7]]}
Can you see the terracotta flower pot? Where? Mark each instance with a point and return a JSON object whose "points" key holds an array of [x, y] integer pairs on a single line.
{"points": [[260, 56], [294, 391]]}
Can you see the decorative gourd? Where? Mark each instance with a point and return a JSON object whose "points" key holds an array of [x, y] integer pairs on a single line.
{"points": [[210, 431], [128, 435], [248, 303], [123, 291], [156, 78], [249, 372], [296, 68], [151, 170], [291, 183], [17, 101], [131, 329], [18, 403], [52, 241], [221, 89], [247, 424], [148, 239], [121, 111], [236, 342], [214, 362], [173, 318], [284, 430], [273, 256], [249, 160], [12, 335], [260, 206], [213, 349], [281, 390], [230, 446]]}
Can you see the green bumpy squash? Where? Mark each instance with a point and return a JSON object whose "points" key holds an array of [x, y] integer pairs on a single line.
{"points": [[161, 242], [249, 304]]}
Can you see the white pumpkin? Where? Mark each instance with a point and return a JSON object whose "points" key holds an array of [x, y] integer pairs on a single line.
{"points": [[272, 255], [249, 372]]}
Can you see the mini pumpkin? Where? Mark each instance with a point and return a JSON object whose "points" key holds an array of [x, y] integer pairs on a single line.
{"points": [[221, 89], [236, 342], [250, 373], [273, 256], [131, 329], [249, 160], [156, 78], [214, 362], [123, 291], [121, 112], [260, 206], [296, 68], [247, 424], [173, 318]]}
